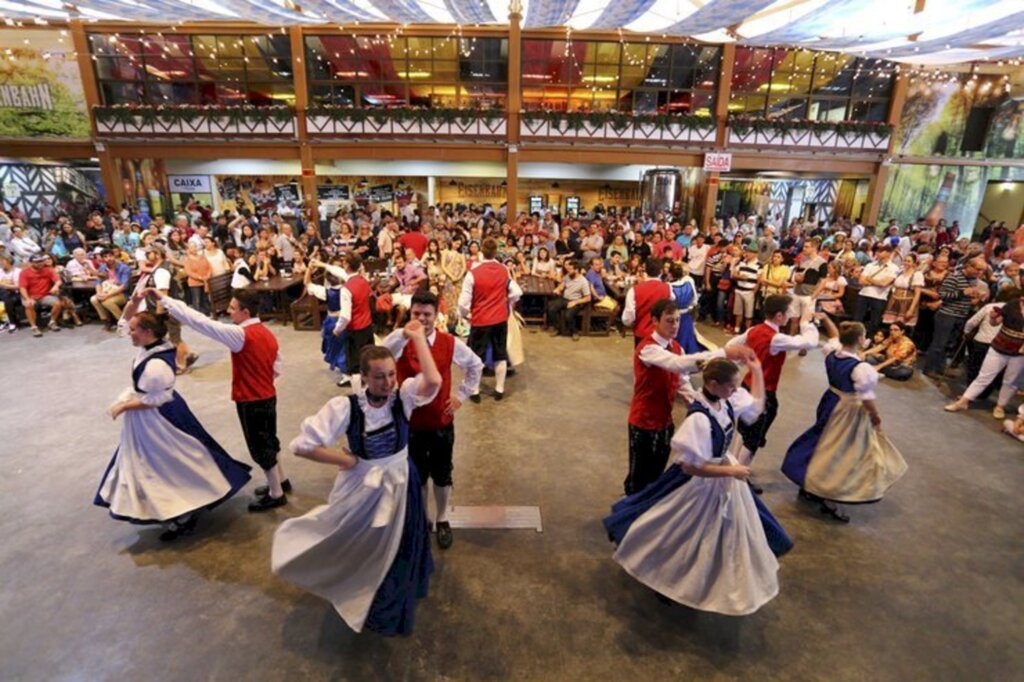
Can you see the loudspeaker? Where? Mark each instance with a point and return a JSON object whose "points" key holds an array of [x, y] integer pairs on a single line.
{"points": [[976, 130]]}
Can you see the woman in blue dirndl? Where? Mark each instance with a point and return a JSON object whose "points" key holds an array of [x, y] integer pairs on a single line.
{"points": [[331, 345], [367, 550], [166, 468], [698, 535], [684, 291], [845, 457]]}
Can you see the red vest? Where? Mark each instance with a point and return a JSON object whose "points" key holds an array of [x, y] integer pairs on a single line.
{"points": [[361, 315], [759, 339], [645, 295], [490, 294], [654, 390], [252, 368], [434, 414]]}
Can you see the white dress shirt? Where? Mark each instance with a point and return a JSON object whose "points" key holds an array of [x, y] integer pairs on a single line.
{"points": [[782, 343], [470, 363], [231, 335], [514, 292]]}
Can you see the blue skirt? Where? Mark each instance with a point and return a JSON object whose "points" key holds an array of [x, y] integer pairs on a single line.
{"points": [[408, 579], [800, 452], [687, 336], [627, 510], [177, 412], [333, 347]]}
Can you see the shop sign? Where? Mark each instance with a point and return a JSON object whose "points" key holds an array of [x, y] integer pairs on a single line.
{"points": [[382, 193], [717, 162], [189, 184], [333, 192]]}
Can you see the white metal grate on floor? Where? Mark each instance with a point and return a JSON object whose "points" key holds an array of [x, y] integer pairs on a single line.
{"points": [[500, 518]]}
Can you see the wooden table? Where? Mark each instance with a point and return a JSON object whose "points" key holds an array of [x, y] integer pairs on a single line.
{"points": [[277, 286], [539, 290]]}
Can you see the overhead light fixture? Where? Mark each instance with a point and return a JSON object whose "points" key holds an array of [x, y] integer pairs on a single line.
{"points": [[554, 185], [452, 183], [606, 186], [504, 183]]}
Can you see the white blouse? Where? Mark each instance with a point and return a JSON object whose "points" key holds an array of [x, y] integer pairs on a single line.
{"points": [[903, 281], [692, 440], [865, 377], [157, 378], [329, 425]]}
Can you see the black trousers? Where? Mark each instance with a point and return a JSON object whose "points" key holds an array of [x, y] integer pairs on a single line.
{"points": [[947, 331], [431, 454], [755, 435], [648, 456], [259, 425], [12, 303], [561, 316], [869, 311], [355, 341]]}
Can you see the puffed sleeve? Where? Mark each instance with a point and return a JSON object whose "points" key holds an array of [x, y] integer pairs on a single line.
{"points": [[410, 394], [324, 428], [865, 379], [744, 407], [691, 443], [157, 381]]}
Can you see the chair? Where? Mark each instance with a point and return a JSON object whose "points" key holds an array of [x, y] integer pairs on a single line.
{"points": [[220, 293], [607, 318], [306, 315]]}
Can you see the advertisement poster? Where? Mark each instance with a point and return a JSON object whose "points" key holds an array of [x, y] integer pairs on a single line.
{"points": [[40, 86], [144, 182], [933, 124]]}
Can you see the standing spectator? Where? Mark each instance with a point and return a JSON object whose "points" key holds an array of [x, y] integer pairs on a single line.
{"points": [[696, 258], [197, 273], [811, 269], [831, 290], [745, 275], [286, 245], [415, 240], [876, 282], [959, 293], [905, 297], [40, 286], [218, 261]]}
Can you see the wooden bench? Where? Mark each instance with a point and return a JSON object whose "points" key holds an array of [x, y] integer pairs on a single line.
{"points": [[220, 293], [607, 318]]}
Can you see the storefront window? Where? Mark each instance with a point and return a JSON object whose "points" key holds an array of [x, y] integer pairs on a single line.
{"points": [[417, 71], [638, 77], [193, 69], [824, 86]]}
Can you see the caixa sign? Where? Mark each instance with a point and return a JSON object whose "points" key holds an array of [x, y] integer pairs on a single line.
{"points": [[194, 184]]}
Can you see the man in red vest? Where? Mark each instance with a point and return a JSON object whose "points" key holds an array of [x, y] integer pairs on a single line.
{"points": [[355, 317], [658, 365], [641, 298], [771, 347], [488, 294], [431, 427], [255, 363]]}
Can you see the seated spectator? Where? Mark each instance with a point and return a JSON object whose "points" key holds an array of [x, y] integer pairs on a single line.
{"points": [[895, 356], [570, 296], [405, 279], [9, 294], [543, 266], [80, 268], [40, 286], [598, 292], [109, 299]]}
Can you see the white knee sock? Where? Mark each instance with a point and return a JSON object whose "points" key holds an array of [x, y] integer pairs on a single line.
{"points": [[442, 496], [274, 480], [500, 370]]}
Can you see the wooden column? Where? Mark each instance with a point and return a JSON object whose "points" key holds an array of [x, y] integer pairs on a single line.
{"points": [[876, 190], [514, 105], [723, 94], [308, 179], [708, 199], [108, 167]]}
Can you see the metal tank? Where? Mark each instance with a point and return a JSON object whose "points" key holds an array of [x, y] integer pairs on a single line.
{"points": [[661, 190]]}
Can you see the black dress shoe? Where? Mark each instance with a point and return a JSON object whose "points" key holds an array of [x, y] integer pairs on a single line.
{"points": [[170, 535], [264, 490], [267, 502], [810, 497], [444, 534], [499, 395], [475, 398], [180, 529], [755, 488], [833, 511]]}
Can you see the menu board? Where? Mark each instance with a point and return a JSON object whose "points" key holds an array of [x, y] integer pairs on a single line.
{"points": [[536, 204], [287, 193], [333, 192], [381, 193], [572, 205]]}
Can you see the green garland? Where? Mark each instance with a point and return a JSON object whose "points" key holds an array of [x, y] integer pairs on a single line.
{"points": [[743, 124], [128, 114]]}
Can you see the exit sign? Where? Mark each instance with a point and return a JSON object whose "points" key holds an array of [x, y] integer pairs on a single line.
{"points": [[718, 162]]}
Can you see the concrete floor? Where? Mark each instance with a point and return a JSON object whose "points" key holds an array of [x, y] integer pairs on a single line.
{"points": [[925, 585]]}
